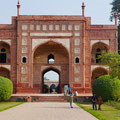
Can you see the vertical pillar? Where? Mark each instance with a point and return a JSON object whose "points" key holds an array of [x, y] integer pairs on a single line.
{"points": [[83, 9], [18, 8], [116, 16]]}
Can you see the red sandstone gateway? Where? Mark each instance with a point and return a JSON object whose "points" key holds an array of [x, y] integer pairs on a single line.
{"points": [[27, 45]]}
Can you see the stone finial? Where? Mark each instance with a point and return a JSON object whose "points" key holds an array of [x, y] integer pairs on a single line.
{"points": [[116, 16], [83, 9], [18, 8]]}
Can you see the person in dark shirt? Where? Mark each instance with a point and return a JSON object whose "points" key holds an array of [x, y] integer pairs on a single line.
{"points": [[94, 101]]}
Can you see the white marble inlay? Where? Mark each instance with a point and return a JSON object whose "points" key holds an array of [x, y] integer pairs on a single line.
{"points": [[99, 66], [69, 27], [24, 27], [50, 34], [77, 41], [77, 79], [7, 41], [44, 27], [77, 34], [24, 41], [63, 27], [50, 27], [103, 41], [77, 27], [24, 34], [57, 27], [24, 70], [77, 50], [37, 27], [65, 42], [31, 27], [6, 66], [24, 50], [23, 79], [77, 69]]}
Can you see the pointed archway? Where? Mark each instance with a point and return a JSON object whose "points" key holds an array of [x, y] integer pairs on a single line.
{"points": [[51, 81], [4, 72], [53, 56], [98, 72]]}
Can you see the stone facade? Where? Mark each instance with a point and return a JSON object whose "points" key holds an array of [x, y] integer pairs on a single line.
{"points": [[73, 41]]}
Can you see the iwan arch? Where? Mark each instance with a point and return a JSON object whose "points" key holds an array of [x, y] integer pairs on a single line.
{"points": [[27, 45]]}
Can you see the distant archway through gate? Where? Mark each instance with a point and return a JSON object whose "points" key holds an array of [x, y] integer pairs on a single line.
{"points": [[51, 81]]}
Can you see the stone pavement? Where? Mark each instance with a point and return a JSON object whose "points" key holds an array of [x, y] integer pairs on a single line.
{"points": [[45, 111]]}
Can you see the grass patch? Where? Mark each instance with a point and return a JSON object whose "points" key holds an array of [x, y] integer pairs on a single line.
{"points": [[107, 112], [8, 105]]}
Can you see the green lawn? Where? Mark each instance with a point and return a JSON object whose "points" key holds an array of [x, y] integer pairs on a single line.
{"points": [[107, 112], [7, 105]]}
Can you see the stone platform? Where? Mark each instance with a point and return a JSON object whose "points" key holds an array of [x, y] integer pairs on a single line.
{"points": [[50, 97]]}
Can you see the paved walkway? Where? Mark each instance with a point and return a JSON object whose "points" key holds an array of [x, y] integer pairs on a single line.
{"points": [[45, 111]]}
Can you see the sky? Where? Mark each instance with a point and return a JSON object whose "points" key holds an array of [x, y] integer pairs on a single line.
{"points": [[99, 10]]}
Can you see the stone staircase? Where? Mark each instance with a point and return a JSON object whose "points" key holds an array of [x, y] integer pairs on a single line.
{"points": [[50, 99]]}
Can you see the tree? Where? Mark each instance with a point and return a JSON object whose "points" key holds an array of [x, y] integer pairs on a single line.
{"points": [[106, 87], [113, 61], [116, 8]]}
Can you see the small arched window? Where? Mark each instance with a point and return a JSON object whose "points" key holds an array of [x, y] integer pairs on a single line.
{"points": [[77, 60], [3, 55], [3, 50], [98, 50], [24, 59], [51, 59]]}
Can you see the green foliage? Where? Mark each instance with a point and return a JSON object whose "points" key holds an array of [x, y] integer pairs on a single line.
{"points": [[115, 8], [117, 95], [46, 88], [94, 113], [119, 39], [106, 86], [113, 104], [113, 61], [6, 88], [8, 105], [45, 78]]}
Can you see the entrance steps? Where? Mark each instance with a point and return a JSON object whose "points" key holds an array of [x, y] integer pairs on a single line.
{"points": [[50, 99]]}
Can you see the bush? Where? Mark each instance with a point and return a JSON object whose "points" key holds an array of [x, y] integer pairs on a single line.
{"points": [[6, 88], [106, 87], [113, 104]]}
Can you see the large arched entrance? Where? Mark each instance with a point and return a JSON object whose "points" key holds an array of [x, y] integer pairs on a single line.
{"points": [[51, 81], [4, 72], [98, 72], [50, 56]]}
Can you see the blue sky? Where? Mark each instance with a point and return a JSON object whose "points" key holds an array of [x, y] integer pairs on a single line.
{"points": [[99, 10]]}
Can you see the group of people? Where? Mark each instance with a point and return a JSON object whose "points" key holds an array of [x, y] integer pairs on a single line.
{"points": [[67, 89], [96, 100]]}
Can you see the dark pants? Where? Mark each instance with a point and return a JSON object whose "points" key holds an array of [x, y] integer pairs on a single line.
{"points": [[94, 106], [99, 106]]}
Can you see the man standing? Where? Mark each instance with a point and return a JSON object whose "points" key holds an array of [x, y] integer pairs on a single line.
{"points": [[94, 101], [71, 100], [69, 89]]}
